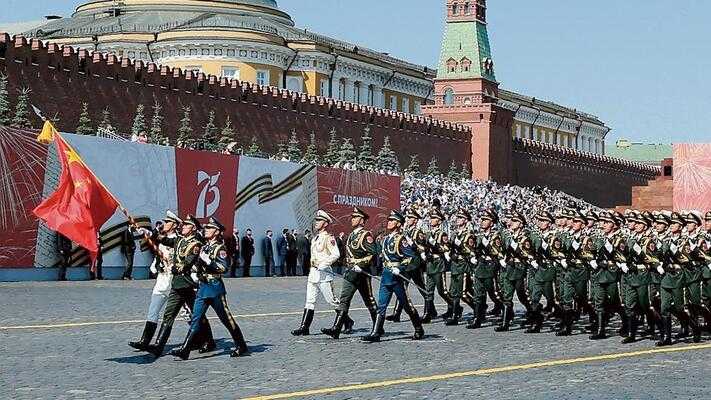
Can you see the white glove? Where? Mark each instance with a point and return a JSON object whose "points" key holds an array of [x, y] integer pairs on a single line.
{"points": [[608, 246], [534, 264], [357, 269], [709, 266], [673, 248], [624, 268], [564, 263], [637, 249], [544, 245], [514, 245], [485, 242], [205, 258], [410, 242], [502, 263], [154, 270], [474, 261], [457, 242], [593, 264], [692, 246], [447, 257], [423, 255], [432, 240], [144, 232], [660, 269], [194, 277], [395, 271], [576, 245]]}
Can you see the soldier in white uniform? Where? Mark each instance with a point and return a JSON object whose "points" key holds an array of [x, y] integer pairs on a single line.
{"points": [[162, 265], [324, 252]]}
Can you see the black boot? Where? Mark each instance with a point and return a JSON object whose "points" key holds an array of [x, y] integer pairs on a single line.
{"points": [[240, 344], [684, 322], [375, 334], [632, 329], [694, 323], [306, 320], [183, 352], [416, 323], [665, 334], [429, 307], [454, 319], [566, 323], [624, 329], [477, 318], [335, 330], [496, 311], [537, 320], [148, 331], [600, 334], [450, 311], [348, 324], [163, 335], [397, 311], [506, 320]]}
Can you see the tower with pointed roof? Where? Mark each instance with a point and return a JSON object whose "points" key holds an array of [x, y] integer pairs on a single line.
{"points": [[466, 90]]}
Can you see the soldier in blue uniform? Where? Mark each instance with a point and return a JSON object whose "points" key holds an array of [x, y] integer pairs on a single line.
{"points": [[213, 262], [396, 256]]}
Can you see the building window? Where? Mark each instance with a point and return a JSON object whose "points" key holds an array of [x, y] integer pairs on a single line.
{"points": [[324, 87], [342, 89], [467, 9], [356, 92], [518, 131], [418, 108], [294, 84], [230, 73], [371, 95], [466, 64], [405, 104], [455, 9], [393, 103], [448, 96], [263, 77], [452, 65], [590, 144]]}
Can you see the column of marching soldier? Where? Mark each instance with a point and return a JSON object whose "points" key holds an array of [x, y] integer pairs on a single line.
{"points": [[644, 267]]}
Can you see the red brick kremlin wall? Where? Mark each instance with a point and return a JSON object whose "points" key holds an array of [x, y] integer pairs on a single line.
{"points": [[61, 79]]}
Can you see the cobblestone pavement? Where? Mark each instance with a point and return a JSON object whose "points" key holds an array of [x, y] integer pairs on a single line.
{"points": [[93, 361]]}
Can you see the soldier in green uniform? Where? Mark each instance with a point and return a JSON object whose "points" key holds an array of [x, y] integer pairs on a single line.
{"points": [[578, 252], [705, 250], [676, 251], [694, 269], [360, 250], [187, 249], [437, 248], [541, 272], [463, 245], [610, 256], [561, 232], [661, 226], [519, 249], [415, 237], [489, 252], [642, 257]]}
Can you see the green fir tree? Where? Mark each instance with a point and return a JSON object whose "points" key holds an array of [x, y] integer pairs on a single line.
{"points": [[366, 161], [465, 173], [254, 150], [185, 131], [22, 110], [331, 157], [453, 174], [433, 168], [139, 121], [293, 150], [346, 154], [106, 120], [227, 134], [155, 135], [414, 167], [282, 153], [5, 108], [386, 160], [209, 135], [84, 127], [311, 154]]}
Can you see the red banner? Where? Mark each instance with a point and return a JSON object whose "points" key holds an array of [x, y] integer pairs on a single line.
{"points": [[207, 185], [340, 190]]}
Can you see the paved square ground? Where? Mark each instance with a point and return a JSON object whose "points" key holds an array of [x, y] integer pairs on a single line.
{"points": [[68, 340]]}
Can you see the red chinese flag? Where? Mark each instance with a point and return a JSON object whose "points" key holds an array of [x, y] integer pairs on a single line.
{"points": [[80, 205]]}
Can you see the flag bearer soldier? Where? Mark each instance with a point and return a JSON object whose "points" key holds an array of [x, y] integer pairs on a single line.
{"points": [[360, 250], [542, 270], [578, 252], [705, 249], [186, 252], [415, 237], [519, 249], [489, 253], [324, 253], [463, 246], [437, 251], [396, 256], [212, 262], [642, 256], [162, 266], [694, 269], [676, 251]]}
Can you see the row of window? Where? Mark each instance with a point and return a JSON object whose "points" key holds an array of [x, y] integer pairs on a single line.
{"points": [[584, 143]]}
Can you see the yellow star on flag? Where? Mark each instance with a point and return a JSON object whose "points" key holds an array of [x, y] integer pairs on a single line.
{"points": [[72, 156]]}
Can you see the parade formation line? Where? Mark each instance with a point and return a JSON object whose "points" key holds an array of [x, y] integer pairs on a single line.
{"points": [[140, 321], [480, 372]]}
